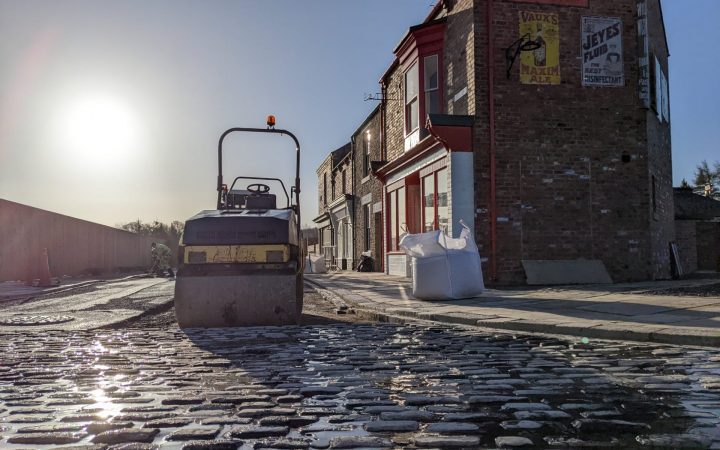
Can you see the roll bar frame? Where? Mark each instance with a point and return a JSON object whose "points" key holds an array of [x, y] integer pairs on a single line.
{"points": [[295, 189]]}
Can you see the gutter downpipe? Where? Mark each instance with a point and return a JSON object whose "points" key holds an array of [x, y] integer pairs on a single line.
{"points": [[491, 125], [352, 186], [383, 104], [383, 157]]}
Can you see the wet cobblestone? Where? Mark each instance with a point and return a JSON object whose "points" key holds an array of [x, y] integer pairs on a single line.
{"points": [[351, 386]]}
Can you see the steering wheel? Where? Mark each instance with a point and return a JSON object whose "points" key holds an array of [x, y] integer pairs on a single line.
{"points": [[258, 188]]}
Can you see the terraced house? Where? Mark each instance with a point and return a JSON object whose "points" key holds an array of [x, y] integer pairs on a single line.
{"points": [[544, 125]]}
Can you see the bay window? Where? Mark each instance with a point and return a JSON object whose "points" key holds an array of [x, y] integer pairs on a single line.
{"points": [[422, 96]]}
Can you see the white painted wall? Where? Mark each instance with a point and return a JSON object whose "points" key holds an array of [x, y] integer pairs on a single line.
{"points": [[462, 192]]}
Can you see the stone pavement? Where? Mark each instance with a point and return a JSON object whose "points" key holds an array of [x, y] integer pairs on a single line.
{"points": [[345, 386], [18, 290], [620, 311], [85, 307]]}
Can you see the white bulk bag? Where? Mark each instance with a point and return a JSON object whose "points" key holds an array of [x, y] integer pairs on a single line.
{"points": [[444, 268], [315, 264]]}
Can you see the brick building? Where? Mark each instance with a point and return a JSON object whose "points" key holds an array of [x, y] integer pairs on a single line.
{"points": [[368, 190], [542, 124], [334, 223], [697, 229]]}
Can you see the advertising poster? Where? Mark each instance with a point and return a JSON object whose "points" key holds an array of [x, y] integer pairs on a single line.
{"points": [[643, 55], [602, 54], [542, 65]]}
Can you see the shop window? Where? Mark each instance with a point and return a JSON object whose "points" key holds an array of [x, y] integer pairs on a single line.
{"points": [[429, 203], [443, 212], [436, 213], [398, 220], [366, 225]]}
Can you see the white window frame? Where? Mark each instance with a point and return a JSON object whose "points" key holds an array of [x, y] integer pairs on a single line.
{"points": [[414, 66], [436, 88]]}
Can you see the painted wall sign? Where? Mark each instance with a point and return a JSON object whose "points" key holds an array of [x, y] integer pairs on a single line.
{"points": [[602, 53], [583, 3], [542, 65], [666, 99], [662, 99], [644, 55]]}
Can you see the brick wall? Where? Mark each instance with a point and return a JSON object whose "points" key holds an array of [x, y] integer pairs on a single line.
{"points": [[395, 115], [708, 240], [686, 239], [574, 165], [459, 58], [659, 160], [341, 179], [563, 190]]}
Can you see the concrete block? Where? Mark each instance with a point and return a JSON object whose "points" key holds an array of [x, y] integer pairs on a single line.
{"points": [[578, 271]]}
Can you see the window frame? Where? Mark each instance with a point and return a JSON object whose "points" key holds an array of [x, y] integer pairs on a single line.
{"points": [[366, 154], [367, 226], [395, 229], [416, 98], [436, 197], [427, 90]]}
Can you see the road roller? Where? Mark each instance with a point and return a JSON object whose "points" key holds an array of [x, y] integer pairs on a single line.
{"points": [[241, 263]]}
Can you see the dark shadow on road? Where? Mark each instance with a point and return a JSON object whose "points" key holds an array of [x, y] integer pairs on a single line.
{"points": [[451, 375]]}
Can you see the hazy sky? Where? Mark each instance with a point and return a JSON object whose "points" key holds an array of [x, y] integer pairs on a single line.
{"points": [[111, 111]]}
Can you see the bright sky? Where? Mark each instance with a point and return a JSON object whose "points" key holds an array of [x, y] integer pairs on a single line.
{"points": [[111, 111]]}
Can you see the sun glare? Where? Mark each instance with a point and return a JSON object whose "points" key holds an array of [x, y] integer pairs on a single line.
{"points": [[99, 131]]}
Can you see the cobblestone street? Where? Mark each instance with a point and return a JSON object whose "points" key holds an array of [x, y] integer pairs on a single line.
{"points": [[332, 384]]}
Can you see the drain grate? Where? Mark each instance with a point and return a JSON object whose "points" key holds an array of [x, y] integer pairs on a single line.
{"points": [[34, 320]]}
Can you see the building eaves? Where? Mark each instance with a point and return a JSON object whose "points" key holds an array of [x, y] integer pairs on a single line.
{"points": [[340, 154], [415, 28], [440, 4], [450, 120], [322, 217], [691, 206], [318, 171], [389, 70], [428, 23], [370, 116]]}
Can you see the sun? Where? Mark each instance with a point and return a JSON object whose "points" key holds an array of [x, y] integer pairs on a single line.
{"points": [[98, 131]]}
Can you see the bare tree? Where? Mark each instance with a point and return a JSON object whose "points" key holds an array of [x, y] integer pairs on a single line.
{"points": [[169, 234], [707, 179]]}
